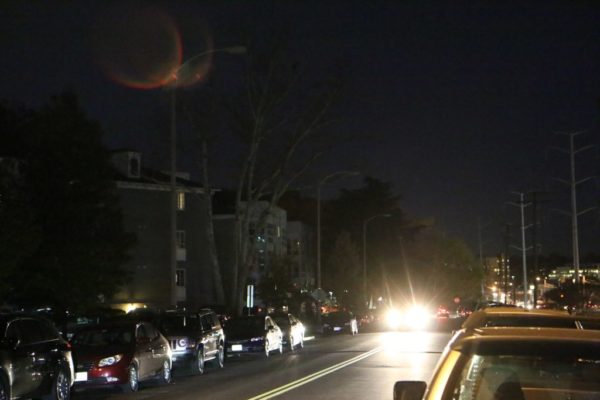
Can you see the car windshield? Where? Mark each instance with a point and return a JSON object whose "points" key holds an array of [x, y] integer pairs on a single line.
{"points": [[245, 324], [104, 337], [337, 316], [525, 371], [179, 322]]}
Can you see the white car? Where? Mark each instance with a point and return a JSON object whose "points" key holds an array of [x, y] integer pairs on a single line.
{"points": [[515, 364]]}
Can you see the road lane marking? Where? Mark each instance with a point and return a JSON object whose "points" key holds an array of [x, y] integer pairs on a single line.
{"points": [[314, 376]]}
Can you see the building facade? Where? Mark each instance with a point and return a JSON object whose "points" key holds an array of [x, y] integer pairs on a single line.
{"points": [[145, 197]]}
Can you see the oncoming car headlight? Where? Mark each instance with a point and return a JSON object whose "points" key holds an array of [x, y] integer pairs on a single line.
{"points": [[108, 361], [417, 317], [393, 319], [256, 339]]}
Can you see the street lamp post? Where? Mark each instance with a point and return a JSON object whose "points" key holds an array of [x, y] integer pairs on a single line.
{"points": [[364, 232], [322, 182], [182, 75]]}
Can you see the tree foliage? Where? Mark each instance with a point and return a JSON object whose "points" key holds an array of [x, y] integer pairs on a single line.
{"points": [[440, 267], [65, 195], [343, 272]]}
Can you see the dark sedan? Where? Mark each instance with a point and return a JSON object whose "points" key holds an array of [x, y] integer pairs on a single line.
{"points": [[35, 360], [253, 334], [338, 322], [121, 354]]}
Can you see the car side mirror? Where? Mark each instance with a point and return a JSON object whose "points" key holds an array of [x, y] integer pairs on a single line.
{"points": [[409, 390]]}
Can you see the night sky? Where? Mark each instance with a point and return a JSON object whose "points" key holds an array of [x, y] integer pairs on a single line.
{"points": [[465, 98]]}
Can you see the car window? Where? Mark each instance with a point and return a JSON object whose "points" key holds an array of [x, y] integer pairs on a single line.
{"points": [[207, 322], [151, 331], [141, 332], [31, 331], [215, 321], [528, 372], [13, 332], [531, 322]]}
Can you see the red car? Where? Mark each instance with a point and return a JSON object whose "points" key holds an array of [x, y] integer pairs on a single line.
{"points": [[122, 354]]}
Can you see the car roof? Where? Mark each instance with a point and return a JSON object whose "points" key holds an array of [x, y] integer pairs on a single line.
{"points": [[525, 334], [521, 311], [555, 342]]}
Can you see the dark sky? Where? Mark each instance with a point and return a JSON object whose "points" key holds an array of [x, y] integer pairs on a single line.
{"points": [[466, 97]]}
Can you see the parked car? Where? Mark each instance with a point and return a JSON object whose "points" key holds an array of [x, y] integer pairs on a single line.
{"points": [[195, 337], [252, 334], [513, 316], [339, 321], [35, 360], [513, 364], [292, 330], [120, 353]]}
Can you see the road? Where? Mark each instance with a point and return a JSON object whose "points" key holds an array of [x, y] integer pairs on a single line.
{"points": [[331, 367]]}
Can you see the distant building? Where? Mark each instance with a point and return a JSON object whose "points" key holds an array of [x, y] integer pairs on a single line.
{"points": [[145, 197], [300, 248], [270, 240]]}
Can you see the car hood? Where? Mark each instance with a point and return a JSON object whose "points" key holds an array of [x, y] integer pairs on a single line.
{"points": [[88, 353]]}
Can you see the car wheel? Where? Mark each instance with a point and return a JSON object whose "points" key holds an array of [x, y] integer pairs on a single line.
{"points": [[267, 348], [220, 359], [199, 366], [61, 386], [166, 373], [4, 395], [133, 382]]}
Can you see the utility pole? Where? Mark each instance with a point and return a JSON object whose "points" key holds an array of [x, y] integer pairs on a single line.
{"points": [[534, 238], [506, 262], [523, 248], [572, 151]]}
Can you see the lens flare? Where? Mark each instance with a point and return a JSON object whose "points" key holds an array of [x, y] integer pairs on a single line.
{"points": [[138, 48]]}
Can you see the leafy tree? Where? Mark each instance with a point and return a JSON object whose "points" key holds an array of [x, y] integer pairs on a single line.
{"points": [[440, 267], [278, 281], [343, 272], [76, 242]]}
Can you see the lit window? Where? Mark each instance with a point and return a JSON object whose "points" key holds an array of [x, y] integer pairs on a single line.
{"points": [[181, 201], [180, 277], [181, 239]]}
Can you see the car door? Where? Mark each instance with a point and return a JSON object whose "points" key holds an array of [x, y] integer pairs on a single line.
{"points": [[39, 348], [273, 333], [159, 347], [22, 360], [143, 351], [208, 335]]}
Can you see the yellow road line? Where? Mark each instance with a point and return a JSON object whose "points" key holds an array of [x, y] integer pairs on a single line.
{"points": [[314, 376]]}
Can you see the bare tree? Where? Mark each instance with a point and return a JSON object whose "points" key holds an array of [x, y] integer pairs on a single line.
{"points": [[279, 122]]}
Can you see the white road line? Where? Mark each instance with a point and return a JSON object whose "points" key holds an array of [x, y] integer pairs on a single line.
{"points": [[314, 376]]}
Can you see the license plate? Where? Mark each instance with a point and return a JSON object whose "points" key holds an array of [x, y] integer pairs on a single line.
{"points": [[236, 347], [81, 376]]}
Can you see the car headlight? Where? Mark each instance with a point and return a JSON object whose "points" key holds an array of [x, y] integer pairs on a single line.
{"points": [[393, 319], [326, 326], [183, 342], [257, 339], [105, 362], [417, 318]]}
